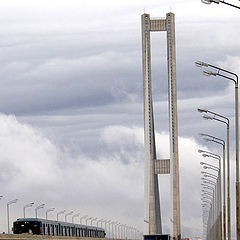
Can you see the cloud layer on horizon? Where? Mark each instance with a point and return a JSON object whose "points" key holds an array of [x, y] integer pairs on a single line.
{"points": [[36, 170]]}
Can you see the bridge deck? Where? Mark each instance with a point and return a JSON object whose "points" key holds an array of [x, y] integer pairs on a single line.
{"points": [[36, 237]]}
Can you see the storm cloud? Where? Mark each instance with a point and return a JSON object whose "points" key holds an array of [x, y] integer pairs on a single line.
{"points": [[71, 102]]}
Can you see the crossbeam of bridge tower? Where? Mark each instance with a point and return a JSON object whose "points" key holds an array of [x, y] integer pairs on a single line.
{"points": [[152, 166]]}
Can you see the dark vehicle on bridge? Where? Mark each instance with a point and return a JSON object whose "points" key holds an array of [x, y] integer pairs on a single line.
{"points": [[48, 227], [157, 237]]}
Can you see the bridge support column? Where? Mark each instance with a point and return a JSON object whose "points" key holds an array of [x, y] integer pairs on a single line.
{"points": [[152, 213]]}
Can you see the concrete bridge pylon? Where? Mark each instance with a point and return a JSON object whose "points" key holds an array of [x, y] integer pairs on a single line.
{"points": [[153, 166]]}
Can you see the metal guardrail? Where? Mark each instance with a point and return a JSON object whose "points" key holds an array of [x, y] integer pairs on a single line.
{"points": [[36, 237]]}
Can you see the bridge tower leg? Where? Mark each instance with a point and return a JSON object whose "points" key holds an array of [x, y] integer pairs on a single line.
{"points": [[152, 214], [151, 195]]}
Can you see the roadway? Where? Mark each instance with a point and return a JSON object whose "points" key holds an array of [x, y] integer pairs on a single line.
{"points": [[36, 237]]}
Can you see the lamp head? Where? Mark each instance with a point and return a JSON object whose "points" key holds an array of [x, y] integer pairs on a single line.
{"points": [[207, 117], [29, 205], [207, 139], [209, 73], [206, 1], [40, 206], [13, 201], [50, 209], [201, 110], [210, 1], [201, 64]]}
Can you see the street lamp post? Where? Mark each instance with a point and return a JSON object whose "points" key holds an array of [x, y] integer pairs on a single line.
{"points": [[121, 231], [26, 206], [83, 218], [49, 210], [108, 222], [115, 229], [222, 119], [92, 220], [135, 232], [38, 207], [68, 214], [62, 212], [222, 73], [88, 219], [118, 233], [208, 219], [220, 141], [101, 221], [113, 232], [125, 231], [219, 193], [219, 203], [74, 216], [211, 220], [8, 204], [129, 231], [219, 1]]}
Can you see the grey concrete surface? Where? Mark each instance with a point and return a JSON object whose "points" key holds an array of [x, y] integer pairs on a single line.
{"points": [[30, 236]]}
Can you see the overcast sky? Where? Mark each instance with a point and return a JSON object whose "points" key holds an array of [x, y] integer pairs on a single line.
{"points": [[71, 123]]}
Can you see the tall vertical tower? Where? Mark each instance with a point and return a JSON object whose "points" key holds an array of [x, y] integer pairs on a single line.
{"points": [[153, 167], [151, 193]]}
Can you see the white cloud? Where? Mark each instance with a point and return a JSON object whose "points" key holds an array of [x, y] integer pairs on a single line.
{"points": [[108, 184], [27, 153], [34, 168]]}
